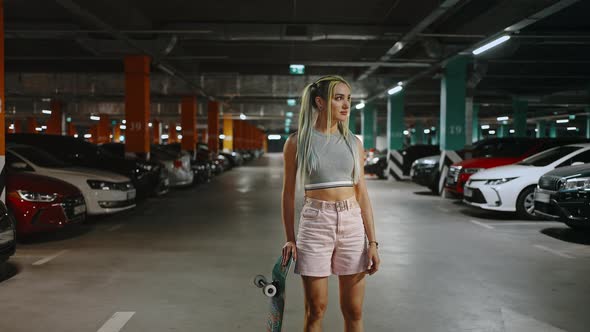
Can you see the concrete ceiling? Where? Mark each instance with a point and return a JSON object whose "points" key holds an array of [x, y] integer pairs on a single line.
{"points": [[238, 52]]}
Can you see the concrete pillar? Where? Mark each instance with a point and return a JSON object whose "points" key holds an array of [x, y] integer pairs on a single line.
{"points": [[228, 131], [352, 120], [417, 136], [56, 122], [156, 132], [368, 126], [137, 105], [189, 124], [541, 127], [520, 108], [213, 126], [395, 135], [103, 130], [475, 128], [452, 117], [552, 129]]}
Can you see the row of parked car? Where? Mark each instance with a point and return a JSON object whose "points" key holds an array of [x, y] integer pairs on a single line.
{"points": [[545, 178], [53, 181]]}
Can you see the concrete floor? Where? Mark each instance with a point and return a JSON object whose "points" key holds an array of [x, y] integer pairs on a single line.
{"points": [[185, 262]]}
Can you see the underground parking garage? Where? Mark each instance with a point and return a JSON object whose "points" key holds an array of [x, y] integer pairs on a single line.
{"points": [[143, 183]]}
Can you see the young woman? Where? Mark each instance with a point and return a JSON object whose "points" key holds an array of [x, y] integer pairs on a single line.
{"points": [[336, 234]]}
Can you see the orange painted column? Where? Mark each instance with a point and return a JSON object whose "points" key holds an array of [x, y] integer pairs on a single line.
{"points": [[228, 132], [188, 122], [137, 105], [117, 134], [93, 133], [103, 130], [156, 132], [72, 129], [31, 125], [54, 125], [172, 133], [238, 142], [18, 125], [2, 108], [213, 126]]}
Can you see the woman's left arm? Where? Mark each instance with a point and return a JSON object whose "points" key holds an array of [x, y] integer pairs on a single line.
{"points": [[362, 198]]}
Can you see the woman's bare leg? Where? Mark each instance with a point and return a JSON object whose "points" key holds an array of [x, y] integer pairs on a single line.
{"points": [[316, 302], [352, 294]]}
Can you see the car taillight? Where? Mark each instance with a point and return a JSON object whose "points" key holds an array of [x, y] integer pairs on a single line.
{"points": [[178, 163]]}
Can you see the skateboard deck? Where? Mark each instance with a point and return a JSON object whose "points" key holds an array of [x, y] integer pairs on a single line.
{"points": [[274, 320]]}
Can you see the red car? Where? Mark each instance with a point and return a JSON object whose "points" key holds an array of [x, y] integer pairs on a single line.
{"points": [[499, 152], [41, 203]]}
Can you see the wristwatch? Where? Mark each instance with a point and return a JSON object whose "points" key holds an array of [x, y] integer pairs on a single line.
{"points": [[376, 244]]}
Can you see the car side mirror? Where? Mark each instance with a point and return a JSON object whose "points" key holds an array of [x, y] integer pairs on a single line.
{"points": [[19, 165], [576, 163]]}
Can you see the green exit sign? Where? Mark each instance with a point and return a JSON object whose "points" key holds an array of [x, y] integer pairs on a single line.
{"points": [[297, 69]]}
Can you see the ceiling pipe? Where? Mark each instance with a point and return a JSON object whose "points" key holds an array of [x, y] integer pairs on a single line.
{"points": [[534, 18], [410, 36], [156, 60]]}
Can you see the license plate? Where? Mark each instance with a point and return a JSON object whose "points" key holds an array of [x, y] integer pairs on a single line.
{"points": [[79, 209], [130, 194], [542, 197], [467, 192]]}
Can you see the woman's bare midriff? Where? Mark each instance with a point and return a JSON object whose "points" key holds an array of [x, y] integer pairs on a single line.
{"points": [[331, 194]]}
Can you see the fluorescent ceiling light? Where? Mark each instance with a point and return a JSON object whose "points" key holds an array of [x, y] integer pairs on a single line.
{"points": [[38, 128], [289, 114], [179, 136], [46, 111], [492, 132], [124, 121], [395, 90], [572, 128], [491, 44], [150, 124], [406, 132], [502, 118], [165, 136], [360, 106], [243, 116], [87, 135], [121, 138], [274, 137], [75, 135], [222, 136], [46, 99], [178, 128], [485, 127], [94, 118], [427, 131], [123, 127], [562, 121], [43, 127], [512, 131], [291, 102]]}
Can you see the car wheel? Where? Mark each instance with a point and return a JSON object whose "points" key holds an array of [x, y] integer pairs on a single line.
{"points": [[525, 203]]}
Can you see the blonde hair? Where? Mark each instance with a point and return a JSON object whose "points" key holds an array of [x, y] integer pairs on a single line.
{"points": [[307, 159]]}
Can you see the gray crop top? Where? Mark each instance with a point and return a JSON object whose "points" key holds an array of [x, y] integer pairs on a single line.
{"points": [[335, 162]]}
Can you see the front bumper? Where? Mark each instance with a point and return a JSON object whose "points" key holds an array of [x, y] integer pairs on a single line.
{"points": [[109, 201], [486, 197], [567, 207], [424, 176]]}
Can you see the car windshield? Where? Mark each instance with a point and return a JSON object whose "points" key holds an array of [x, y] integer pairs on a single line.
{"points": [[547, 157], [39, 157], [503, 148]]}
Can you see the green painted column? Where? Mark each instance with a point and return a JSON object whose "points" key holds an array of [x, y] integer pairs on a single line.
{"points": [[352, 121], [541, 127], [436, 136], [552, 129], [368, 117], [417, 136], [588, 121], [520, 108], [476, 131], [503, 130], [395, 123], [452, 104]]}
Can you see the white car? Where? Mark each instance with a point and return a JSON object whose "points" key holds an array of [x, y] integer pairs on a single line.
{"points": [[512, 187], [104, 192]]}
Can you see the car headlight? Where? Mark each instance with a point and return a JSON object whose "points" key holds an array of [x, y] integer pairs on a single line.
{"points": [[496, 182], [36, 197], [96, 184], [472, 170], [575, 184]]}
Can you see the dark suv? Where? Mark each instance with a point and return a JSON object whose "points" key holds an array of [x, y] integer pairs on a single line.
{"points": [[147, 177], [564, 195]]}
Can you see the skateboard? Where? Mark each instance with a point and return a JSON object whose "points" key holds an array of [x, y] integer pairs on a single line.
{"points": [[275, 290]]}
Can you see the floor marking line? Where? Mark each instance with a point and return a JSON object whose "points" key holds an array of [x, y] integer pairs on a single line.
{"points": [[443, 209], [553, 251], [523, 223], [117, 321], [48, 258], [114, 228], [481, 224]]}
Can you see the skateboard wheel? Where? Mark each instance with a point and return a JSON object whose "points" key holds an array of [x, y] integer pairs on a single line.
{"points": [[260, 281], [270, 290]]}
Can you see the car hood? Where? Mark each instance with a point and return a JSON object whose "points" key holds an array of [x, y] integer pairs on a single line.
{"points": [[487, 162], [39, 184], [578, 170], [428, 160], [89, 173], [510, 171]]}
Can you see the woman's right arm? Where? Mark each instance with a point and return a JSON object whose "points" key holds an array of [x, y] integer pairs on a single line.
{"points": [[288, 196]]}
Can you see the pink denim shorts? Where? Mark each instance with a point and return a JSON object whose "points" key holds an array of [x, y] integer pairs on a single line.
{"points": [[331, 239]]}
